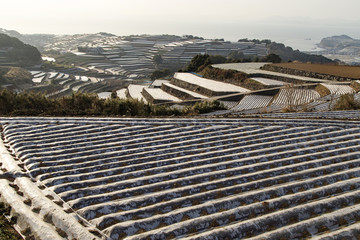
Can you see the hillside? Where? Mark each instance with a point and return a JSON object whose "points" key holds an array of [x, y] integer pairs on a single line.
{"points": [[13, 52], [288, 54], [15, 76], [36, 40]]}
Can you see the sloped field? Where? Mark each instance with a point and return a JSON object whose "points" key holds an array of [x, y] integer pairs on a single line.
{"points": [[325, 114], [135, 92], [252, 102], [268, 81], [158, 95], [208, 84], [338, 89], [294, 96], [324, 104], [121, 93], [197, 178]]}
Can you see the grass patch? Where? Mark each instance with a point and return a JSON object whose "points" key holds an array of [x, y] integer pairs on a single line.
{"points": [[346, 102], [7, 232], [322, 90], [355, 85], [15, 75]]}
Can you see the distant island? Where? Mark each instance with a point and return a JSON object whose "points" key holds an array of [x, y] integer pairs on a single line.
{"points": [[341, 47], [340, 43]]}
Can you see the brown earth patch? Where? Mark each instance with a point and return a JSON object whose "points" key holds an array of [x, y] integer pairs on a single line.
{"points": [[336, 70]]}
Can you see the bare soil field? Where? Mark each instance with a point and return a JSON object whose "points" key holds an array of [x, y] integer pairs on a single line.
{"points": [[336, 70]]}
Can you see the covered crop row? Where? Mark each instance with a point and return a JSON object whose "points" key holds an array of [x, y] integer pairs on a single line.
{"points": [[338, 89], [294, 96], [252, 102], [196, 178]]}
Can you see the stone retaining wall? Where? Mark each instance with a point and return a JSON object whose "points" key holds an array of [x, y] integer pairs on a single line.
{"points": [[177, 93]]}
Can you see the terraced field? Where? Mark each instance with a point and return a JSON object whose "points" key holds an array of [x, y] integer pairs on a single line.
{"points": [[268, 82], [158, 95], [345, 115], [294, 96], [135, 92], [213, 86], [121, 93], [185, 178], [182, 92], [252, 102], [338, 89]]}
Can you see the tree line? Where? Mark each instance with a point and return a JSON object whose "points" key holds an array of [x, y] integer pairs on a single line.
{"points": [[83, 104], [201, 61]]}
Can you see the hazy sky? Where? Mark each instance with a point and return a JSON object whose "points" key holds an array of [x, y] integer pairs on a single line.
{"points": [[229, 19]]}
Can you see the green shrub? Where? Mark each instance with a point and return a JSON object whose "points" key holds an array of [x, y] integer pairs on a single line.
{"points": [[205, 107]]}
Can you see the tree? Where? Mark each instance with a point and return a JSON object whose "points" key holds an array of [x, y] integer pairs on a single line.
{"points": [[113, 94], [160, 74], [198, 61], [157, 59], [236, 55], [216, 59], [274, 58]]}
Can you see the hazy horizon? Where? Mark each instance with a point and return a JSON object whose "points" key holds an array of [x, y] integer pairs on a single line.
{"points": [[278, 20]]}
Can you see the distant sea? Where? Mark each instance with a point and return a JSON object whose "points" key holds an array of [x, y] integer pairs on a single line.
{"points": [[304, 45], [301, 37]]}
